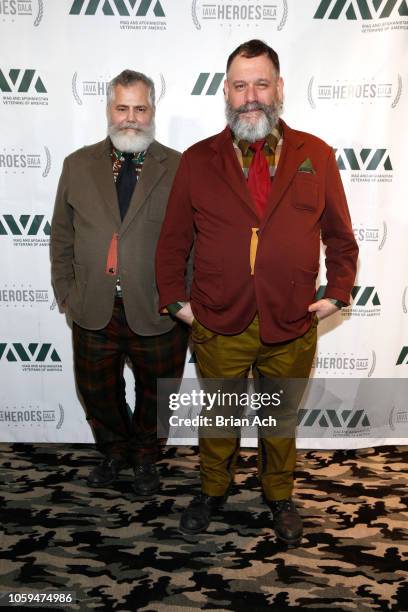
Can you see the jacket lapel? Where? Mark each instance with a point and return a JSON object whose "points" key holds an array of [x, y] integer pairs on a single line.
{"points": [[153, 170], [291, 157], [103, 176], [226, 165]]}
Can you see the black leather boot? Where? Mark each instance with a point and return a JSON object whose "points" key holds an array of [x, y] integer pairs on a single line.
{"points": [[196, 517], [105, 473], [147, 481], [287, 522]]}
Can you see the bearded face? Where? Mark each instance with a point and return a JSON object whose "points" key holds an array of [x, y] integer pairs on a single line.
{"points": [[130, 115], [253, 97], [255, 128], [131, 136]]}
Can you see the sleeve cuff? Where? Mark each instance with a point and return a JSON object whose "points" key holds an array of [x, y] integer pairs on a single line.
{"points": [[338, 303], [175, 307]]}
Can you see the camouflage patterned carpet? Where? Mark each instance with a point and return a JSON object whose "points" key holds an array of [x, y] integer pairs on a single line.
{"points": [[121, 554]]}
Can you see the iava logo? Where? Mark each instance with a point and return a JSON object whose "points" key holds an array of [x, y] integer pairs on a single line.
{"points": [[33, 357], [22, 86], [207, 84], [365, 165], [403, 356], [26, 230], [375, 15], [133, 14], [366, 302], [336, 419]]}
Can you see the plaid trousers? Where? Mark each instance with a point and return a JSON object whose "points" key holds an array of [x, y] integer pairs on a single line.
{"points": [[99, 358]]}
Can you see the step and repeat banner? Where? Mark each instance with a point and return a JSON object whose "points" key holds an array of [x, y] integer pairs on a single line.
{"points": [[344, 63]]}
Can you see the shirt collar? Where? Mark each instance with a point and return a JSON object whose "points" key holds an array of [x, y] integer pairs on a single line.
{"points": [[271, 141], [137, 157]]}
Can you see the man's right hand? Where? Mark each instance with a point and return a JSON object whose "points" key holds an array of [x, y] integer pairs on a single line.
{"points": [[185, 314]]}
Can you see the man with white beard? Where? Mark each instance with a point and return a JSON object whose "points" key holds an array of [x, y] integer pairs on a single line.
{"points": [[109, 207], [255, 198]]}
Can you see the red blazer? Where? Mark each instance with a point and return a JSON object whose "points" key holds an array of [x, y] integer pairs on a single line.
{"points": [[210, 203]]}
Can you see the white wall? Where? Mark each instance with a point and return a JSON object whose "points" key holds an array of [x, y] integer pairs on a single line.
{"points": [[345, 80]]}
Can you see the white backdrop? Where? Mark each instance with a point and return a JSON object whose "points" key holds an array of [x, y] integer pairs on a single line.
{"points": [[344, 63]]}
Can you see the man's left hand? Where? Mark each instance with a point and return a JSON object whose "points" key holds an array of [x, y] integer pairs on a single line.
{"points": [[323, 308]]}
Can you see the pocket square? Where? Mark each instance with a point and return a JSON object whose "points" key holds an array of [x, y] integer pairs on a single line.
{"points": [[307, 166]]}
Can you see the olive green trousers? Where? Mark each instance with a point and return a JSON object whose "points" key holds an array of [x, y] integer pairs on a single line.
{"points": [[232, 357]]}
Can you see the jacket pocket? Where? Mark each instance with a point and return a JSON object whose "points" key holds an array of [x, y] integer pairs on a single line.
{"points": [[305, 192], [207, 287], [76, 296], [301, 294], [157, 204]]}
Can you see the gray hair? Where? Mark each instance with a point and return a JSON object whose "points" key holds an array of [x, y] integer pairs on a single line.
{"points": [[127, 78]]}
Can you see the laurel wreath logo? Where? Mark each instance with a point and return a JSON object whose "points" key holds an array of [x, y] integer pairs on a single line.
{"points": [[74, 89], [284, 16], [370, 373], [163, 88], [404, 301], [399, 92], [194, 15], [391, 424], [61, 419], [40, 14], [309, 93], [384, 238], [48, 162]]}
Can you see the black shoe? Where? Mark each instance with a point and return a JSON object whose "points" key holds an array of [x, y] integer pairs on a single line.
{"points": [[287, 522], [147, 481], [196, 517], [105, 473]]}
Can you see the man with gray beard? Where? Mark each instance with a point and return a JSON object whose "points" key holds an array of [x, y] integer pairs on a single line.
{"points": [[255, 198], [110, 204]]}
